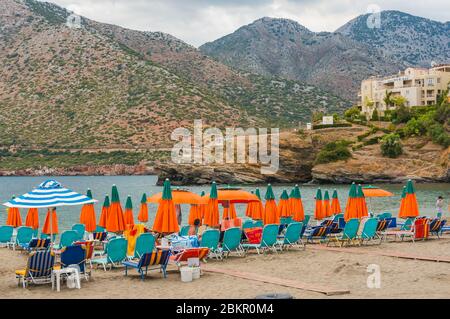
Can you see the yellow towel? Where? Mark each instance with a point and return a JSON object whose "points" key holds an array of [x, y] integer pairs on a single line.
{"points": [[131, 235]]}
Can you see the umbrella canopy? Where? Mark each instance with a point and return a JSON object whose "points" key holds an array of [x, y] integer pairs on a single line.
{"points": [[203, 207], [234, 195], [362, 205], [51, 222], [270, 209], [195, 213], [256, 209], [402, 202], [143, 211], [166, 217], [248, 210], [373, 191], [49, 194], [335, 205], [32, 219], [14, 219], [296, 204], [128, 214], [351, 209], [229, 212], [327, 204], [319, 212], [87, 215], [115, 222], [212, 214], [410, 205], [105, 212], [284, 209], [179, 196]]}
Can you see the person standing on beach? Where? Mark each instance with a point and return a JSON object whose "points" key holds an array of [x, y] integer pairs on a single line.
{"points": [[439, 206]]}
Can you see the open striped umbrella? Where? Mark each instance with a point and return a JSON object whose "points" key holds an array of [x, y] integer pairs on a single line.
{"points": [[335, 205], [14, 219], [143, 211], [296, 204], [283, 208], [166, 217], [410, 205], [128, 217], [105, 212], [319, 213], [212, 213], [115, 222], [87, 216], [50, 193], [326, 205], [270, 209]]}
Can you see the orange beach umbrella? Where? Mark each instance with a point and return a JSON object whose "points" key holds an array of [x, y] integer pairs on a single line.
{"points": [[283, 208], [248, 210], [410, 205], [335, 205], [203, 207], [87, 215], [256, 209], [296, 204], [351, 209], [105, 212], [319, 212], [234, 195], [115, 222], [51, 222], [14, 219], [32, 219], [143, 211], [166, 218], [373, 191], [402, 202], [128, 218], [326, 205], [362, 205], [179, 196], [212, 214], [194, 214], [270, 209], [229, 211]]}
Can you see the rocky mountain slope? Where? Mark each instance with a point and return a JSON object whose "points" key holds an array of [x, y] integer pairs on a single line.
{"points": [[335, 61], [414, 40], [284, 48]]}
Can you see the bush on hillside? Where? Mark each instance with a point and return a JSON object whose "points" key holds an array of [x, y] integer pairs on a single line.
{"points": [[414, 127], [333, 152], [439, 135], [391, 146]]}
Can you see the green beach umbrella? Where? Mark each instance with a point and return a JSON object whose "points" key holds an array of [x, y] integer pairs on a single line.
{"points": [[258, 193], [269, 193]]}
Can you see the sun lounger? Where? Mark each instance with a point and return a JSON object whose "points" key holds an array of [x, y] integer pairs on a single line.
{"points": [[115, 253], [231, 243], [75, 255], [67, 239], [436, 226], [369, 231], [184, 255], [292, 236], [268, 240], [36, 244], [39, 269], [349, 234], [184, 231], [318, 232], [80, 229], [210, 239], [145, 243], [408, 229], [157, 258], [23, 237], [6, 234]]}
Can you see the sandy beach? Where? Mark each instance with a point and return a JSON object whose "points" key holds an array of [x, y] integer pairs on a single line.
{"points": [[400, 278]]}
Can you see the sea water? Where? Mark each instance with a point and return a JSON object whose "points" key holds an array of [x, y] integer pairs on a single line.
{"points": [[137, 185]]}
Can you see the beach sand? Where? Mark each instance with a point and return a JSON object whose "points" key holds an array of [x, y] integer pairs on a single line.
{"points": [[400, 278]]}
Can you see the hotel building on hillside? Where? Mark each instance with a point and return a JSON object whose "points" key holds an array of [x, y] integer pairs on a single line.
{"points": [[419, 86]]}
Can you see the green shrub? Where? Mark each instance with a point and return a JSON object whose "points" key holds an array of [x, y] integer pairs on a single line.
{"points": [[352, 113], [401, 115], [372, 141], [414, 127], [439, 135], [334, 151], [375, 116], [320, 126], [391, 146], [442, 113]]}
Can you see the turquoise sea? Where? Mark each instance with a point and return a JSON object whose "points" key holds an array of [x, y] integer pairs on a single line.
{"points": [[137, 185]]}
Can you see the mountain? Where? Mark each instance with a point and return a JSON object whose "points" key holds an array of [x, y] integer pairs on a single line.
{"points": [[284, 48], [63, 87], [283, 102], [414, 40], [105, 87]]}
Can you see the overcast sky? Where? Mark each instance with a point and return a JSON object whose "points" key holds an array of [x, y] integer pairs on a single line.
{"points": [[200, 21]]}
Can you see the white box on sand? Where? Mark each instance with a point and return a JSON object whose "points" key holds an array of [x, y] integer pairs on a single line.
{"points": [[186, 274]]}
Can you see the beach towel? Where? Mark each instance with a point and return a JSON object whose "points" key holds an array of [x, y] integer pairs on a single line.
{"points": [[253, 235], [131, 235]]}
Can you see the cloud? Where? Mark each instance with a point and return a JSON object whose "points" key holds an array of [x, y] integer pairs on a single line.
{"points": [[200, 21]]}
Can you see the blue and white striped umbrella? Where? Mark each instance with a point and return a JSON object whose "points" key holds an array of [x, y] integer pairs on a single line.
{"points": [[49, 194]]}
